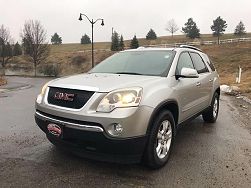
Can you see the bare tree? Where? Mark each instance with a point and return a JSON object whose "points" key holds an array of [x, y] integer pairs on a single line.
{"points": [[5, 47], [34, 42], [172, 27]]}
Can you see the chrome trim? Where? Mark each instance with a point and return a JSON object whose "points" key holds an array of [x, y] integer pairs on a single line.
{"points": [[71, 125], [72, 86]]}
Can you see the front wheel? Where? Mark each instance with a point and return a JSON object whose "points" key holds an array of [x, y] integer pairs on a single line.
{"points": [[160, 140], [211, 114]]}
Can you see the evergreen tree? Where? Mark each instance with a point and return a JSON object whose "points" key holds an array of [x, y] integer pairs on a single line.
{"points": [[27, 46], [56, 39], [240, 29], [191, 29], [151, 35], [8, 51], [218, 27], [134, 42], [17, 50], [85, 39], [121, 43], [1, 47], [115, 41], [5, 47]]}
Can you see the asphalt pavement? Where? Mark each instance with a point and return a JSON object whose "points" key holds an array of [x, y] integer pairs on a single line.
{"points": [[204, 155]]}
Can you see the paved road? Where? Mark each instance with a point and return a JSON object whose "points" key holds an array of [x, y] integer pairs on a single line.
{"points": [[204, 155]]}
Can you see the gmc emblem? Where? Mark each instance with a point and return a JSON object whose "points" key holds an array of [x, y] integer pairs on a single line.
{"points": [[64, 96]]}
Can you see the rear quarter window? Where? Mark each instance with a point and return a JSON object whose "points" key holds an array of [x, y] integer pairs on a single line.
{"points": [[209, 62], [199, 63]]}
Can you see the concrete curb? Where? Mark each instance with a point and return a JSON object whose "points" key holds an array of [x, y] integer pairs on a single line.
{"points": [[16, 88]]}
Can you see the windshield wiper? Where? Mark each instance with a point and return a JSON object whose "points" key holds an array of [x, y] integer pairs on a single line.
{"points": [[133, 73]]}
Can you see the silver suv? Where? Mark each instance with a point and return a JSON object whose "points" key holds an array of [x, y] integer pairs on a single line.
{"points": [[128, 108]]}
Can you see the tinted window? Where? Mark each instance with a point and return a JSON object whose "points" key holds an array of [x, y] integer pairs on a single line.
{"points": [[154, 63], [184, 62], [198, 63], [211, 65], [209, 62]]}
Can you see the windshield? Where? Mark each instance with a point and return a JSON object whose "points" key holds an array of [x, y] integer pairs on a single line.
{"points": [[155, 63]]}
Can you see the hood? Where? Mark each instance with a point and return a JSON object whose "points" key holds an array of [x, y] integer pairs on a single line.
{"points": [[102, 82]]}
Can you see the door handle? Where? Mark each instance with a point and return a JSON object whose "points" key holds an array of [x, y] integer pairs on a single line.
{"points": [[198, 84], [210, 80]]}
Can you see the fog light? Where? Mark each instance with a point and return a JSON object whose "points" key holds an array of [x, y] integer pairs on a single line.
{"points": [[115, 129], [118, 128]]}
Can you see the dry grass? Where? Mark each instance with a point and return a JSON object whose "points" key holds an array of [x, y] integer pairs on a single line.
{"points": [[2, 81], [71, 47], [227, 58], [76, 58]]}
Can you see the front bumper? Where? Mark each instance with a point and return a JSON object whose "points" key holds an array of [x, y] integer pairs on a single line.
{"points": [[89, 140]]}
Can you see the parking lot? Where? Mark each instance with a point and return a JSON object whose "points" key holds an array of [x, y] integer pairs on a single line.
{"points": [[204, 155]]}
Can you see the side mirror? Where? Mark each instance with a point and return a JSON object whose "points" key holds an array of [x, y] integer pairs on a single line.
{"points": [[187, 73]]}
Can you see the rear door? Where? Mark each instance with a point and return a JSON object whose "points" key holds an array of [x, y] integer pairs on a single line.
{"points": [[205, 81]]}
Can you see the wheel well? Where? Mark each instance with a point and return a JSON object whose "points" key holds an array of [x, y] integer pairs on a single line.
{"points": [[218, 91], [172, 106]]}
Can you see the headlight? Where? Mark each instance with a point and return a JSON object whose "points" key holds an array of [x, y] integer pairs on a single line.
{"points": [[128, 97], [40, 96], [44, 88]]}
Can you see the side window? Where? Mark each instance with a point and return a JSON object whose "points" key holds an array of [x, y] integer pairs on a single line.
{"points": [[184, 62], [211, 65], [209, 62], [198, 63]]}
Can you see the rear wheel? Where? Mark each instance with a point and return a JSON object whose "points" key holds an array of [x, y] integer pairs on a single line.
{"points": [[160, 140], [211, 114]]}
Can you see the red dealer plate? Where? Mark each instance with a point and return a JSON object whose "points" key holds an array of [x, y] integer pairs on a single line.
{"points": [[54, 129]]}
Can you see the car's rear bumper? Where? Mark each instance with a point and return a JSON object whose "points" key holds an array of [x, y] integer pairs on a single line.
{"points": [[93, 143]]}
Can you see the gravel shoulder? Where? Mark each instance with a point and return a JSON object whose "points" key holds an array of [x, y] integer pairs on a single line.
{"points": [[241, 110]]}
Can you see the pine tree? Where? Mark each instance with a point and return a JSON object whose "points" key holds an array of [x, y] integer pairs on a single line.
{"points": [[121, 43], [151, 35], [240, 29], [27, 47], [5, 47], [218, 27], [17, 50], [191, 29], [115, 41], [56, 39], [134, 42], [85, 39], [8, 50]]}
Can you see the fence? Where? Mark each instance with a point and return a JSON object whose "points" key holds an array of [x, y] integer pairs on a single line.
{"points": [[198, 43]]}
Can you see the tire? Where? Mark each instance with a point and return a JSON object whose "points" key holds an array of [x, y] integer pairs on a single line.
{"points": [[211, 114], [160, 139]]}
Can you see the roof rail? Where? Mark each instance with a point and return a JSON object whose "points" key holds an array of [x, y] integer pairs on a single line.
{"points": [[191, 47]]}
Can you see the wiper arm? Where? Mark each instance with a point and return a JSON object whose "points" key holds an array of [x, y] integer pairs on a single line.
{"points": [[133, 73]]}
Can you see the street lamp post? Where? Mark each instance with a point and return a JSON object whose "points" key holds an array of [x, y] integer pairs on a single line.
{"points": [[92, 23]]}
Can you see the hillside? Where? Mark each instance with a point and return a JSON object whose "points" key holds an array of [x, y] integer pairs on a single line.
{"points": [[69, 59], [227, 58]]}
